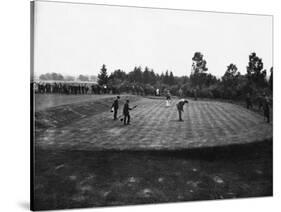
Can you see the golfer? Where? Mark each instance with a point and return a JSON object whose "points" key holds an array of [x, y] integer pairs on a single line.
{"points": [[180, 105]]}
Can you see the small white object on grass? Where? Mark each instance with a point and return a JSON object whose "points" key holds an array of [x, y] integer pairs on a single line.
{"points": [[217, 179]]}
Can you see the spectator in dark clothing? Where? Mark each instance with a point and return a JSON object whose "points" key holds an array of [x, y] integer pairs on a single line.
{"points": [[115, 107], [266, 108], [180, 105], [195, 94], [180, 93]]}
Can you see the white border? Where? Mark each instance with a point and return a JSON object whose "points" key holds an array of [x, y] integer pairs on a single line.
{"points": [[14, 88]]}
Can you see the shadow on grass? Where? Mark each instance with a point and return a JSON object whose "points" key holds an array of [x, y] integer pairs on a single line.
{"points": [[73, 179]]}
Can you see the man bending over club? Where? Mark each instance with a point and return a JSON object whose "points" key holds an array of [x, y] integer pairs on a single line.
{"points": [[180, 105]]}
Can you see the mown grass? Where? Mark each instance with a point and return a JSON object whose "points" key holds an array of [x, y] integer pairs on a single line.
{"points": [[72, 179]]}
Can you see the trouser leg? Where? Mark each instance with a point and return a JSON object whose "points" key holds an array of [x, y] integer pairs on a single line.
{"points": [[129, 117], [115, 114], [125, 119], [180, 115]]}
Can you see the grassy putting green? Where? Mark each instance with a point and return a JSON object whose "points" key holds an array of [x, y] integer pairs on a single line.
{"points": [[153, 126]]}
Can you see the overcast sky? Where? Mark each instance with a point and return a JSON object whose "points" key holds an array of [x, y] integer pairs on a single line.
{"points": [[78, 38]]}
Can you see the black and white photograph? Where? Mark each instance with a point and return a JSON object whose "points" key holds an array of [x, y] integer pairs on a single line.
{"points": [[139, 105]]}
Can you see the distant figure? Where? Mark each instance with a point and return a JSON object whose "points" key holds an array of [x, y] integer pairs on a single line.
{"points": [[195, 94], [126, 112], [168, 99], [180, 105], [157, 93], [260, 102], [266, 108], [249, 104], [114, 107], [180, 93]]}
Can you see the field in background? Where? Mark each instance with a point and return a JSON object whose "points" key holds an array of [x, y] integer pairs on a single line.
{"points": [[213, 154], [45, 101]]}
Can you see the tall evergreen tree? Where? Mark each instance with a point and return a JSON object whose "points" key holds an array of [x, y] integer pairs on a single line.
{"points": [[153, 77], [146, 76], [171, 79], [166, 78], [102, 77], [161, 77]]}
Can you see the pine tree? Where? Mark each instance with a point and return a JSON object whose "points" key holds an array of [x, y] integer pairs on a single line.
{"points": [[171, 79], [146, 76], [166, 78], [102, 77]]}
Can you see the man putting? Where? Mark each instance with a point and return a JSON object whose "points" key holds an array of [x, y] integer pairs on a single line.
{"points": [[180, 105], [115, 107]]}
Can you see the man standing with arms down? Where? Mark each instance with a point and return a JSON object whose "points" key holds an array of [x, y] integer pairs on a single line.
{"points": [[115, 107], [180, 105]]}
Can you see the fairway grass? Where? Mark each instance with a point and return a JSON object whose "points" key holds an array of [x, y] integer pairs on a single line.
{"points": [[45, 101], [89, 126]]}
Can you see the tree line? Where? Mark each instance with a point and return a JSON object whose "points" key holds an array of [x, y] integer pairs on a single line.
{"points": [[200, 82], [232, 85]]}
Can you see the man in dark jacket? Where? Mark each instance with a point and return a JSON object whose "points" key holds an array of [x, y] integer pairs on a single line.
{"points": [[180, 105], [126, 112], [115, 107], [266, 108]]}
